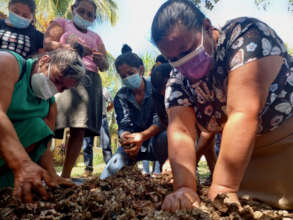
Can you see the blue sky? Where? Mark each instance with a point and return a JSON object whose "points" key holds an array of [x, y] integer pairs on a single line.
{"points": [[135, 18]]}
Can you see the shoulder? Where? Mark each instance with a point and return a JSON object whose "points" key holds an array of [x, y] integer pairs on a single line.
{"points": [[95, 35], [122, 94], [10, 65], [2, 22]]}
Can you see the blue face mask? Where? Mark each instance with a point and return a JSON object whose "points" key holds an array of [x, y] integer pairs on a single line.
{"points": [[80, 22], [133, 81], [18, 21]]}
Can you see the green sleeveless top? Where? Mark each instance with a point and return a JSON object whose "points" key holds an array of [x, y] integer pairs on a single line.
{"points": [[27, 111]]}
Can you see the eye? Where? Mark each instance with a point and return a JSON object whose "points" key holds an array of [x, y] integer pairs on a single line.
{"points": [[90, 15]]}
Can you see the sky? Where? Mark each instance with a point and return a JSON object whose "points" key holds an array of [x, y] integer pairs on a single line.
{"points": [[135, 19]]}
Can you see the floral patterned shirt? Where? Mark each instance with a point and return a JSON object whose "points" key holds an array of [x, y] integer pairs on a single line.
{"points": [[241, 41]]}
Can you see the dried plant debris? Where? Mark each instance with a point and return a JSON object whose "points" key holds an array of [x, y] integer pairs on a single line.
{"points": [[128, 195]]}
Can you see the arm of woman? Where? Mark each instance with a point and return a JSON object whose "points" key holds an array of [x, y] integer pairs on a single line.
{"points": [[182, 157], [205, 141], [50, 120], [52, 37], [27, 174], [248, 89], [100, 57]]}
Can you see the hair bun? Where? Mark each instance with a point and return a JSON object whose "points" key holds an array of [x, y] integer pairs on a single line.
{"points": [[126, 49], [78, 48]]}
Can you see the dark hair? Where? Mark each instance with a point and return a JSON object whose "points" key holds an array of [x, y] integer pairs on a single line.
{"points": [[174, 12], [129, 58], [159, 77], [77, 2], [160, 58], [30, 3]]}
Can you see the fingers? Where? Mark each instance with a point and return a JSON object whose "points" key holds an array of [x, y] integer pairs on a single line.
{"points": [[183, 198], [48, 180], [27, 193], [17, 190], [65, 182]]}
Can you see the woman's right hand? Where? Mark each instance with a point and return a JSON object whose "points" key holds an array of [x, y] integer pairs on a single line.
{"points": [[29, 177], [183, 198]]}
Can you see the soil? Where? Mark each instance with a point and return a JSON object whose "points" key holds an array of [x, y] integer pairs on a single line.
{"points": [[128, 195]]}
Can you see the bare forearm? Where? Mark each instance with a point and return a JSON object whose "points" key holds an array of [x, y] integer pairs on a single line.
{"points": [[182, 156], [205, 141], [53, 45], [236, 149], [103, 64], [150, 132], [11, 150]]}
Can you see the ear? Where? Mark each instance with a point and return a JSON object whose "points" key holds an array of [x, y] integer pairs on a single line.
{"points": [[141, 70], [207, 25], [44, 60]]}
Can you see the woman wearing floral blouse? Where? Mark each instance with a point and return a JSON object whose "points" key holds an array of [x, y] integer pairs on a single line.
{"points": [[237, 81]]}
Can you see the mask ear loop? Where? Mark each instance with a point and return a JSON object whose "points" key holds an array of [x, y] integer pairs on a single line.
{"points": [[49, 70]]}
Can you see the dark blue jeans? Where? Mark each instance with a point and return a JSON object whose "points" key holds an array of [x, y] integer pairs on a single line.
{"points": [[105, 144], [156, 149]]}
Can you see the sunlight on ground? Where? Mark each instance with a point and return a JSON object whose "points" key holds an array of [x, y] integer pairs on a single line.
{"points": [[99, 166]]}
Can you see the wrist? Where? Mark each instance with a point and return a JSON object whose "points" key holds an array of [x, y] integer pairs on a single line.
{"points": [[17, 165]]}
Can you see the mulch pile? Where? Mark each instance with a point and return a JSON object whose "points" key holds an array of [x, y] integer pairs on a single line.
{"points": [[128, 195]]}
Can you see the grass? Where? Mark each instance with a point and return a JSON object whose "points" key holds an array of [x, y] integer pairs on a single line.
{"points": [[99, 165]]}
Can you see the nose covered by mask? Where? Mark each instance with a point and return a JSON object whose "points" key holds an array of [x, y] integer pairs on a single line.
{"points": [[80, 22], [132, 81], [42, 86], [18, 21], [196, 64]]}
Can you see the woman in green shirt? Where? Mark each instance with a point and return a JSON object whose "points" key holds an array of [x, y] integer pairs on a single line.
{"points": [[27, 117]]}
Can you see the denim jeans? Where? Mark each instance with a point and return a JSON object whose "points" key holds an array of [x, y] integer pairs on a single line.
{"points": [[88, 152], [146, 167], [105, 144]]}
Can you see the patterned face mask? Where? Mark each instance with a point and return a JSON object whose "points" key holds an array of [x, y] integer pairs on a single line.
{"points": [[80, 22], [196, 64], [133, 81], [42, 86], [18, 21]]}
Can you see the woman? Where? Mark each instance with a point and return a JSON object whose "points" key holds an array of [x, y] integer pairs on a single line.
{"points": [[28, 114], [237, 81], [138, 126], [79, 109], [204, 145], [17, 33]]}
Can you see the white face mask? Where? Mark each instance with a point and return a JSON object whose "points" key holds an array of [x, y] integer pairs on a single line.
{"points": [[42, 86]]}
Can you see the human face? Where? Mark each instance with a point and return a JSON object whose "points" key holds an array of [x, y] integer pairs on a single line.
{"points": [[22, 10], [181, 41], [125, 70], [61, 82], [86, 10]]}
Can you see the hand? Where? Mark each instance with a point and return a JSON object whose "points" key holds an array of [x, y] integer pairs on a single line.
{"points": [[99, 58], [58, 180], [183, 198], [232, 197], [29, 177], [135, 139]]}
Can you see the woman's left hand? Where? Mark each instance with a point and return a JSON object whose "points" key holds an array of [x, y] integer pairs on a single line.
{"points": [[100, 59], [231, 197]]}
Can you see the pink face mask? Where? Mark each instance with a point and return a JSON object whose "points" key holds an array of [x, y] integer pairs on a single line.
{"points": [[196, 64]]}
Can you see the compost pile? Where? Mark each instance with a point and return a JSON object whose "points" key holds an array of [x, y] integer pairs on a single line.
{"points": [[127, 195]]}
